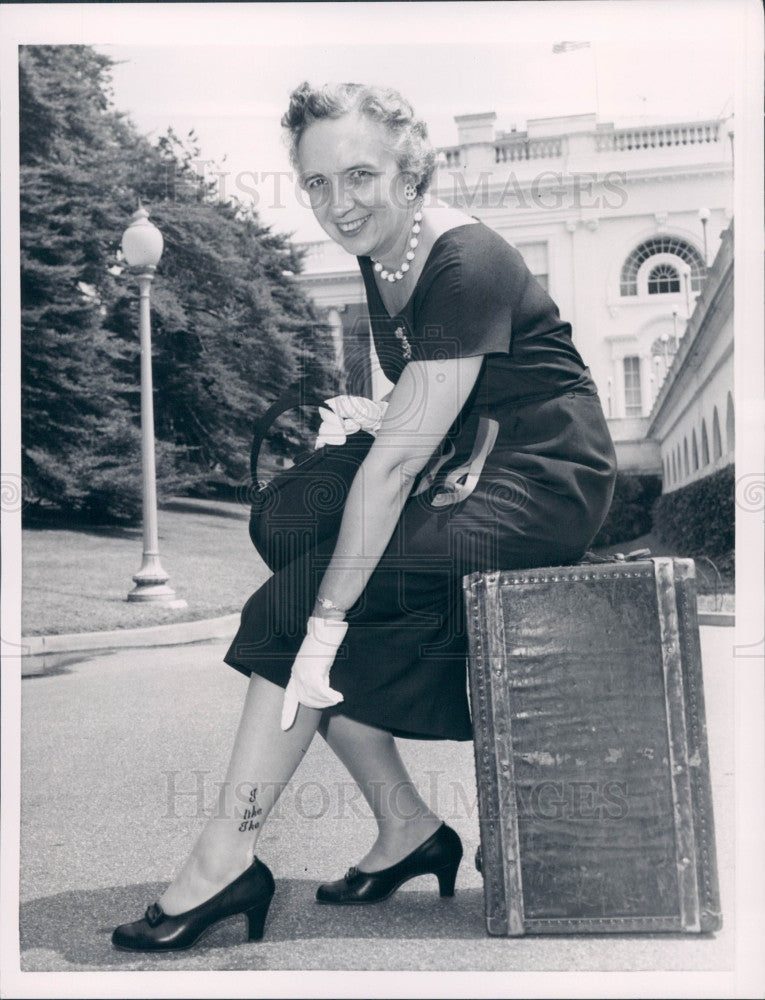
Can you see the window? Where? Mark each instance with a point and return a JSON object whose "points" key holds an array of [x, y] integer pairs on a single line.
{"points": [[666, 469], [686, 468], [730, 427], [662, 244], [679, 465], [695, 451], [716, 439], [704, 444], [633, 400], [662, 279], [674, 468]]}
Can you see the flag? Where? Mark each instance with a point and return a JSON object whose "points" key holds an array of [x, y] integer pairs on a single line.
{"points": [[569, 46]]}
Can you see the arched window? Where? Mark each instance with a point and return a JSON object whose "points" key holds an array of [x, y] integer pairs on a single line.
{"points": [[716, 439], [704, 444], [633, 396], [695, 451], [674, 468], [730, 427], [661, 244], [663, 278], [686, 468]]}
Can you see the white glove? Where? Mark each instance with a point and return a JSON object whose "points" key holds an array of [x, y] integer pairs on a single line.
{"points": [[309, 680], [345, 415]]}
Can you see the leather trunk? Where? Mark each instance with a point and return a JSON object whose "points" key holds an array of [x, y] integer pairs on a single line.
{"points": [[591, 753]]}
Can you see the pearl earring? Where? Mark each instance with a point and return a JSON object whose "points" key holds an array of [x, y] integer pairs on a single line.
{"points": [[410, 191]]}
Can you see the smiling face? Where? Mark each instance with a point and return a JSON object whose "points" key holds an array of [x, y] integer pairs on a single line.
{"points": [[355, 186]]}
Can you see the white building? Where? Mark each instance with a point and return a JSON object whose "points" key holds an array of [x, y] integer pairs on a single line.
{"points": [[617, 223], [693, 417]]}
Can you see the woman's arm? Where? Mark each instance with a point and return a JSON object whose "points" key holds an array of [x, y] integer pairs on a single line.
{"points": [[423, 405]]}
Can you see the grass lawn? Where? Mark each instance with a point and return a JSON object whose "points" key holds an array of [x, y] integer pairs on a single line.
{"points": [[76, 580]]}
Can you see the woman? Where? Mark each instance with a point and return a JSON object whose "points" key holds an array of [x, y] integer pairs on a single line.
{"points": [[493, 453]]}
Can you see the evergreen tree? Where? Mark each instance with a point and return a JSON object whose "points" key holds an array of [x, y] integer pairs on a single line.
{"points": [[72, 431], [231, 328]]}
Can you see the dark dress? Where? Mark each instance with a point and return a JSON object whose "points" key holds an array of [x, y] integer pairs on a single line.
{"points": [[541, 496]]}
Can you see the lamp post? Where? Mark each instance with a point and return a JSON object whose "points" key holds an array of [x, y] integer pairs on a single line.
{"points": [[704, 214], [659, 377], [142, 248], [664, 351], [685, 273]]}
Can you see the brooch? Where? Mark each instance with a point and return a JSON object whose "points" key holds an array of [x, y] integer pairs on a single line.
{"points": [[406, 347]]}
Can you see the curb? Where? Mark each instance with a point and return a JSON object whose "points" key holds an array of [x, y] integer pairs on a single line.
{"points": [[716, 618], [43, 652]]}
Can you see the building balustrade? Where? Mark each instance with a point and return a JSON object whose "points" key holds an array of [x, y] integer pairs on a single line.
{"points": [[522, 148], [517, 147], [450, 156], [658, 136]]}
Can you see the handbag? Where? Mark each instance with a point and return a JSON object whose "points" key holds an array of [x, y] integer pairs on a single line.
{"points": [[301, 507]]}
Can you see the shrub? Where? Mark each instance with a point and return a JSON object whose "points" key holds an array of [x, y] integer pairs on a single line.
{"points": [[630, 513], [699, 519]]}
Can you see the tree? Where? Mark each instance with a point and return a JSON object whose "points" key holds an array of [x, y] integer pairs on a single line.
{"points": [[231, 326], [72, 429]]}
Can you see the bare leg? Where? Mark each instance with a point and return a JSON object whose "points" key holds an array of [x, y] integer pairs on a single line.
{"points": [[403, 818], [263, 760]]}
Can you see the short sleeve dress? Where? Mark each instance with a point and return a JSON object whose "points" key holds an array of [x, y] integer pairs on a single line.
{"points": [[545, 480]]}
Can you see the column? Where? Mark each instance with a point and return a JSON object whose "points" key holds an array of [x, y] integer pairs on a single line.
{"points": [[617, 374], [336, 329], [646, 391]]}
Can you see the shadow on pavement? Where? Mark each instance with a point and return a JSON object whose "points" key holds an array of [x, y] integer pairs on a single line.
{"points": [[77, 925]]}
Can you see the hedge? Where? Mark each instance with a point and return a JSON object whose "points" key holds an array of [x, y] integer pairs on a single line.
{"points": [[699, 519], [630, 513]]}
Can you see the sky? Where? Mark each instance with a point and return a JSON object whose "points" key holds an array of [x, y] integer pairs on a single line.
{"points": [[233, 95]]}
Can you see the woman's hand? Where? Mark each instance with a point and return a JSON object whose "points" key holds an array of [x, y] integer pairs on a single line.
{"points": [[309, 680]]}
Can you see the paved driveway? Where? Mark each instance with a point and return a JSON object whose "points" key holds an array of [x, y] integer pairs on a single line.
{"points": [[119, 759]]}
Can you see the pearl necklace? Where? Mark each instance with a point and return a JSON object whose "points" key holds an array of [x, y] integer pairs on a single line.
{"points": [[399, 273]]}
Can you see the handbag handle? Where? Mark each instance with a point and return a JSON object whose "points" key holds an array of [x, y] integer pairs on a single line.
{"points": [[295, 395]]}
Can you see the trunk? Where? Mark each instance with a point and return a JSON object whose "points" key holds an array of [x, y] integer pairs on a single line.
{"points": [[591, 752]]}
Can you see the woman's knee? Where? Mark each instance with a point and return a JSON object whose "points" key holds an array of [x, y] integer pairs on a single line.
{"points": [[335, 726]]}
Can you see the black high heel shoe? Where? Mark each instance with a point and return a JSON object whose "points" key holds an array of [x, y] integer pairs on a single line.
{"points": [[249, 894], [439, 855]]}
